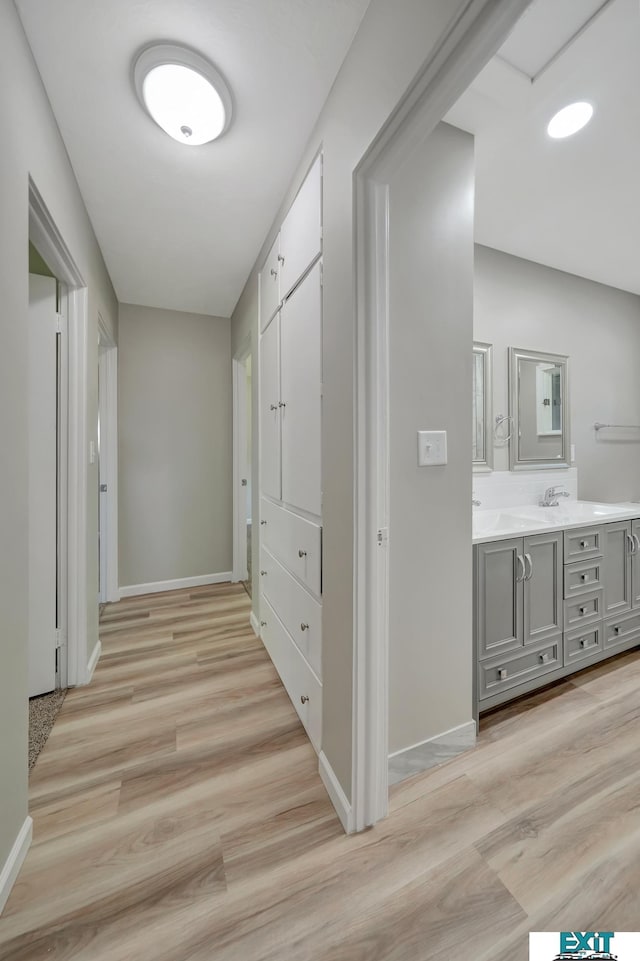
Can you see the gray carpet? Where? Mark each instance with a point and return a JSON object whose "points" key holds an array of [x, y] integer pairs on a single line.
{"points": [[42, 713]]}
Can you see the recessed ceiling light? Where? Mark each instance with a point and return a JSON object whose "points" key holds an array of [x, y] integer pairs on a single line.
{"points": [[570, 119], [183, 93]]}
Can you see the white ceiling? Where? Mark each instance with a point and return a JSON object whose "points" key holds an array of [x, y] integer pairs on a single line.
{"points": [[180, 227], [570, 204]]}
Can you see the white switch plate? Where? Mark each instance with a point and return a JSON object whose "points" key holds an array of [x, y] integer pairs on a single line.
{"points": [[432, 448]]}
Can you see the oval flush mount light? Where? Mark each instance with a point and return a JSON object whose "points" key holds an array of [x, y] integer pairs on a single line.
{"points": [[570, 119], [183, 93]]}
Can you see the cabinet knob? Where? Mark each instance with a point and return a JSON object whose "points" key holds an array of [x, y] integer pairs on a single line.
{"points": [[502, 673], [302, 553], [583, 544], [583, 642], [582, 610], [263, 523], [584, 577], [273, 406], [274, 273], [617, 629], [545, 658], [281, 258], [282, 404], [263, 623], [263, 573], [304, 699], [304, 627]]}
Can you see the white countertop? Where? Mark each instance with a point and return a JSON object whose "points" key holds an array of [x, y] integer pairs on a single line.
{"points": [[500, 524]]}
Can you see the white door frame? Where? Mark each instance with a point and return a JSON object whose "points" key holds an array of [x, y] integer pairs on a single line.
{"points": [[472, 38], [108, 407], [50, 244], [239, 386]]}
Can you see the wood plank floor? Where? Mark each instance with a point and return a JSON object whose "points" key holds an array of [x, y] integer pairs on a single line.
{"points": [[179, 816]]}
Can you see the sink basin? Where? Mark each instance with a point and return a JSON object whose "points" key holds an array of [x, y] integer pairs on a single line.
{"points": [[573, 512], [490, 521]]}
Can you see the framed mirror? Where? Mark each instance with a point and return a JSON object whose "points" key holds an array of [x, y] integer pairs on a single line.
{"points": [[539, 408], [482, 436]]}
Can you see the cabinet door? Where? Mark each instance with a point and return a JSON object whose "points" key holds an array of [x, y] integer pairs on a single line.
{"points": [[543, 587], [635, 566], [270, 285], [617, 567], [499, 594], [301, 232], [270, 439], [301, 379]]}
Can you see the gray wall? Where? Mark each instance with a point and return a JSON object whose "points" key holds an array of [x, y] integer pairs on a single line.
{"points": [[175, 445], [521, 304], [33, 147], [431, 331], [392, 43]]}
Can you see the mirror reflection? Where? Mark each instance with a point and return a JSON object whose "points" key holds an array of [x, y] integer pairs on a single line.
{"points": [[538, 405], [481, 413]]}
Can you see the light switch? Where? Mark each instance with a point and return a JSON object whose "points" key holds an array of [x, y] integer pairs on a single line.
{"points": [[432, 448]]}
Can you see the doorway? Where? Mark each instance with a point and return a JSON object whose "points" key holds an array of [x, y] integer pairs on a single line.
{"points": [[242, 467], [107, 466]]}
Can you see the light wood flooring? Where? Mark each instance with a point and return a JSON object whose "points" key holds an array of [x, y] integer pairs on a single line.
{"points": [[179, 816]]}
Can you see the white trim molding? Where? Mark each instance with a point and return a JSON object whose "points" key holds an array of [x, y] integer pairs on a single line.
{"points": [[334, 790], [12, 865], [475, 33], [157, 587], [238, 378], [93, 660], [255, 624], [431, 752]]}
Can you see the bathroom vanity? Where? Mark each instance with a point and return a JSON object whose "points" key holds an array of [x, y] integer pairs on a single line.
{"points": [[555, 589]]}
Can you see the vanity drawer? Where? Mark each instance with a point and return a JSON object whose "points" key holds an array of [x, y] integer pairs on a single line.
{"points": [[300, 613], [501, 674], [621, 630], [583, 609], [583, 543], [582, 578], [302, 686], [294, 541], [584, 644]]}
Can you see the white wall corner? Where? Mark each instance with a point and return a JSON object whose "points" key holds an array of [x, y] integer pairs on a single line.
{"points": [[255, 626], [14, 862], [157, 587], [93, 661], [334, 790]]}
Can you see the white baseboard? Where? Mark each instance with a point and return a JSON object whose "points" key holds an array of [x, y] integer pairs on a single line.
{"points": [[13, 863], [157, 587], [93, 660], [334, 790], [431, 752], [253, 620]]}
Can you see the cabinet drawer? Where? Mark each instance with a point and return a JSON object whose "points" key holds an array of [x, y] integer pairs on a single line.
{"points": [[582, 578], [583, 543], [270, 285], [584, 644], [300, 613], [501, 674], [620, 630], [301, 684], [583, 609], [294, 541]]}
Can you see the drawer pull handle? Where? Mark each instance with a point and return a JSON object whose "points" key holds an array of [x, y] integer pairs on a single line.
{"points": [[304, 627], [545, 658], [584, 577], [273, 272], [273, 406], [617, 629], [263, 573], [304, 699], [502, 674], [263, 523], [302, 553], [582, 610], [281, 258], [282, 403], [583, 642], [263, 623], [583, 544]]}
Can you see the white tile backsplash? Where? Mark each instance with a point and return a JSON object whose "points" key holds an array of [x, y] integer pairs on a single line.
{"points": [[503, 488]]}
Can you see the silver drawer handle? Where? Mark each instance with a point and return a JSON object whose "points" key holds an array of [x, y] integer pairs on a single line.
{"points": [[521, 564], [584, 577], [263, 623], [304, 627], [302, 553], [583, 642], [263, 573], [262, 523], [282, 403], [502, 674], [636, 541], [582, 610], [273, 406], [631, 544], [583, 544], [303, 699], [281, 258], [617, 629], [274, 272], [545, 658]]}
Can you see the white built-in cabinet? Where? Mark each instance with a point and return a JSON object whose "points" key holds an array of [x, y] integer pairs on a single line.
{"points": [[290, 575]]}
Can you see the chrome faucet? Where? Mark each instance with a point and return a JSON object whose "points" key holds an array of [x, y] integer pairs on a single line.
{"points": [[551, 496]]}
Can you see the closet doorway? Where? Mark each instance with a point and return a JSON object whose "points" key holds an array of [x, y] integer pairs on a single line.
{"points": [[242, 466]]}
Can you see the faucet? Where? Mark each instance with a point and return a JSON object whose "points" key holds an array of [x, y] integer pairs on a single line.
{"points": [[551, 496]]}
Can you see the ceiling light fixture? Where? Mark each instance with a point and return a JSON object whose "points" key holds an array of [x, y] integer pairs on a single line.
{"points": [[183, 93], [570, 119]]}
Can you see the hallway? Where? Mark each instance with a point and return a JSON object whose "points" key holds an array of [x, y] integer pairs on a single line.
{"points": [[179, 815]]}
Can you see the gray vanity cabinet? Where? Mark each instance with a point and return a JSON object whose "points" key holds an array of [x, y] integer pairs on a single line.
{"points": [[618, 576], [635, 565], [519, 598]]}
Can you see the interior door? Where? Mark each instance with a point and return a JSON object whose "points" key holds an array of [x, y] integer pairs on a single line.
{"points": [[301, 379], [270, 441], [42, 489]]}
